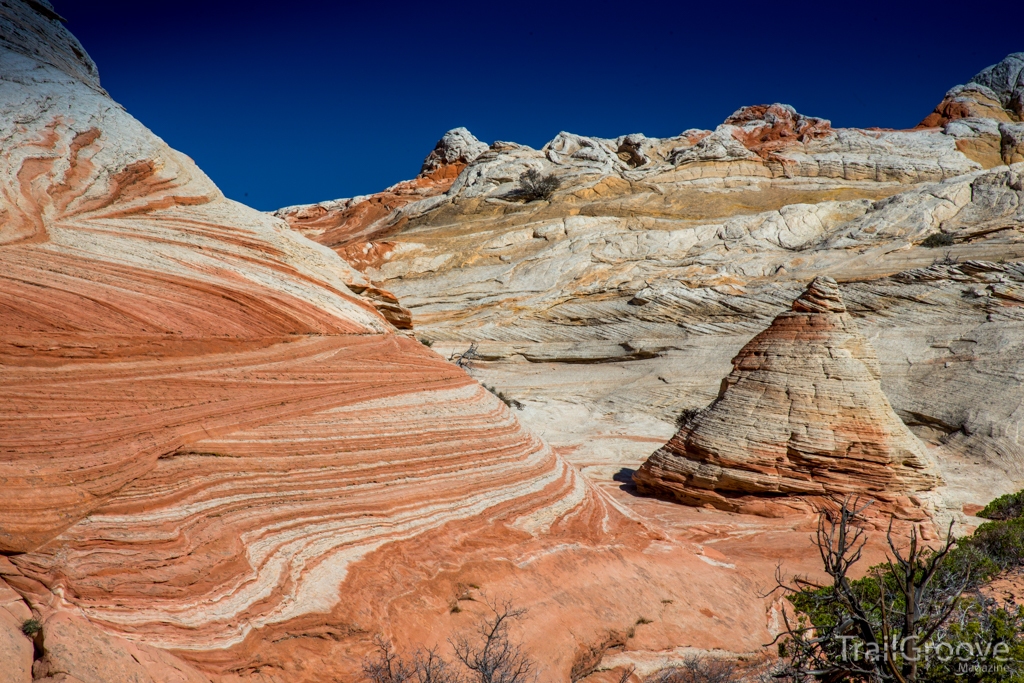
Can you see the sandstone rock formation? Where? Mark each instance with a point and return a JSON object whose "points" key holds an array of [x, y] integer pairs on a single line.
{"points": [[221, 463], [802, 413], [341, 222], [995, 93], [985, 114], [348, 225], [16, 648], [457, 146], [620, 300]]}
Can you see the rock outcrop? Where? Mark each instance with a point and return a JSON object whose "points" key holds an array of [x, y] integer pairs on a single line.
{"points": [[985, 115], [115, 249], [801, 414], [457, 146], [996, 92], [766, 129], [355, 227], [220, 462], [341, 222], [17, 650]]}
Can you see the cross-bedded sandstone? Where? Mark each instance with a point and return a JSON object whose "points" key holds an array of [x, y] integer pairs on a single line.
{"points": [[801, 414]]}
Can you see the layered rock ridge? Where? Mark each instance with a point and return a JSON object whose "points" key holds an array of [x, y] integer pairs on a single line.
{"points": [[801, 414], [342, 222], [114, 249], [620, 300]]}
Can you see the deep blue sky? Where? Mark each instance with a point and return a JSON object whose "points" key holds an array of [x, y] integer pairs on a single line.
{"points": [[294, 102]]}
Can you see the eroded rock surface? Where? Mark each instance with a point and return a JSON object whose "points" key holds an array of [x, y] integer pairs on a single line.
{"points": [[221, 462], [16, 648], [984, 115], [801, 414], [619, 300], [349, 225], [996, 92], [341, 222]]}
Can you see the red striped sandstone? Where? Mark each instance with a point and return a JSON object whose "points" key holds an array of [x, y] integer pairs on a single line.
{"points": [[113, 248], [202, 424]]}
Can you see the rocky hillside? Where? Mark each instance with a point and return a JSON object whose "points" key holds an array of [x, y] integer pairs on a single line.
{"points": [[612, 303]]}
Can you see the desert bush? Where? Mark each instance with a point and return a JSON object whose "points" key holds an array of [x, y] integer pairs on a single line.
{"points": [[1005, 507], [686, 416], [534, 185], [697, 669], [490, 657], [920, 599], [464, 359], [30, 627], [426, 666], [979, 620], [1002, 542], [947, 260], [510, 402], [426, 342], [494, 657], [995, 547], [937, 239]]}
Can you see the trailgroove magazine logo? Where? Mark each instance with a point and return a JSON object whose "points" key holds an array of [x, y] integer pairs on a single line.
{"points": [[964, 657]]}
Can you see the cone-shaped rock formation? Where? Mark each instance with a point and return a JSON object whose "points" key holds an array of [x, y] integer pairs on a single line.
{"points": [[802, 413]]}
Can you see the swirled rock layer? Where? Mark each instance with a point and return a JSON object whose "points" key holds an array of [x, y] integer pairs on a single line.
{"points": [[802, 413], [258, 525], [114, 249], [208, 431]]}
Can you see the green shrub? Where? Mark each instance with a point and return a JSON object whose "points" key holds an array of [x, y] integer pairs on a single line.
{"points": [[534, 185], [979, 621], [1005, 507], [937, 239], [30, 627], [1000, 541], [952, 601], [686, 417]]}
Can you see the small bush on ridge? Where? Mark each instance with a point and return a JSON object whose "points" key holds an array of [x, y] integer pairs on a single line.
{"points": [[937, 239], [534, 185]]}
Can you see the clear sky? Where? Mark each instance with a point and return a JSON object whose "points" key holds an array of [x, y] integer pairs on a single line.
{"points": [[295, 102]]}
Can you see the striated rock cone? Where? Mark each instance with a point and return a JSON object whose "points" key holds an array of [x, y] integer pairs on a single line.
{"points": [[802, 413]]}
